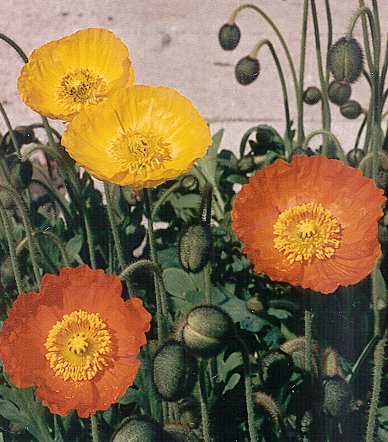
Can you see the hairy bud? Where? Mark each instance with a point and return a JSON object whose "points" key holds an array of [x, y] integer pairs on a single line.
{"points": [[247, 70], [138, 429], [194, 246], [346, 60], [312, 95], [229, 36], [351, 109], [339, 92]]}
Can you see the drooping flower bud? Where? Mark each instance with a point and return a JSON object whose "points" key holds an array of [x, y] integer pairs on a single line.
{"points": [[312, 95], [229, 36], [138, 429], [247, 164], [337, 397], [180, 433], [300, 150], [247, 70], [189, 182], [276, 368], [207, 330], [174, 371], [346, 60], [330, 363], [339, 92], [254, 305], [355, 156], [296, 348], [351, 109], [263, 402], [21, 174], [195, 244]]}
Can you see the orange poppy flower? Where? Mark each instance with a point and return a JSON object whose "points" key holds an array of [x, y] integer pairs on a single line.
{"points": [[76, 340], [312, 223]]}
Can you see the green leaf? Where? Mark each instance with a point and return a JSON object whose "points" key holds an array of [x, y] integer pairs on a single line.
{"points": [[239, 313], [178, 282], [208, 163], [73, 246], [279, 313], [232, 382], [190, 201], [225, 367], [236, 178]]}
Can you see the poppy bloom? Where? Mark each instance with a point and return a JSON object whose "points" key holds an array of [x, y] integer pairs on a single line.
{"points": [[65, 76], [140, 137], [76, 340], [312, 223]]}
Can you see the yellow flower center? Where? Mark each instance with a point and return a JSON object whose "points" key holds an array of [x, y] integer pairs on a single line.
{"points": [[307, 231], [78, 347], [140, 152], [80, 88]]}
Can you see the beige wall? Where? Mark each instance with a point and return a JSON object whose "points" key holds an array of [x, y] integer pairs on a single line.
{"points": [[174, 43]]}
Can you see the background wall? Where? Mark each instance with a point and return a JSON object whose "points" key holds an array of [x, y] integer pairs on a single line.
{"points": [[174, 43]]}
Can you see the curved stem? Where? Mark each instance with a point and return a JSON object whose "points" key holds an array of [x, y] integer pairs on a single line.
{"points": [[301, 71], [254, 54], [356, 15], [325, 98], [11, 247], [248, 391], [360, 131], [377, 378], [163, 198], [366, 37], [232, 19], [204, 411], [11, 132], [340, 151]]}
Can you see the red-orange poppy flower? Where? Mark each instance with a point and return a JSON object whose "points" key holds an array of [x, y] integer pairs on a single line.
{"points": [[76, 340], [312, 223]]}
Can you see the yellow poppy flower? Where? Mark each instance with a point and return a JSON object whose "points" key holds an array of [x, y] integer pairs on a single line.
{"points": [[140, 137], [66, 76]]}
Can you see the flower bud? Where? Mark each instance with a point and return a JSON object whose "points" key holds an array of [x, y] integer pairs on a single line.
{"points": [[229, 36], [312, 95], [296, 348], [351, 110], [254, 305], [337, 397], [207, 330], [300, 150], [276, 368], [180, 433], [330, 363], [189, 182], [355, 156], [194, 246], [23, 135], [247, 164], [21, 174], [174, 371], [132, 196], [247, 70], [264, 402], [346, 60], [339, 92], [138, 429]]}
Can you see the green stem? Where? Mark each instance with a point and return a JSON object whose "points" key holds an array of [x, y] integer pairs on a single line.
{"points": [[58, 242], [207, 284], [89, 238], [356, 15], [204, 411], [248, 391], [325, 98], [377, 378], [254, 54], [329, 36], [163, 198], [11, 132], [11, 247], [232, 19], [308, 321], [338, 146], [366, 37], [95, 428], [301, 71], [360, 131]]}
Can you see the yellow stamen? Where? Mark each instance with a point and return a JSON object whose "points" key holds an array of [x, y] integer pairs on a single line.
{"points": [[140, 152], [307, 231], [80, 88], [78, 347]]}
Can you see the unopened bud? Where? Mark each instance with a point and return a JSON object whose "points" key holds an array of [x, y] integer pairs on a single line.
{"points": [[194, 246], [247, 70], [276, 368], [263, 402], [207, 330], [330, 363], [351, 109], [21, 174], [300, 150], [346, 60], [174, 371], [337, 397], [180, 433], [339, 92], [355, 156], [189, 182], [229, 36], [138, 429], [247, 164], [312, 95], [254, 305]]}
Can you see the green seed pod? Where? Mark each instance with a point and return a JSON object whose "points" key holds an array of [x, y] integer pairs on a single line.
{"points": [[247, 70], [180, 433], [21, 174], [195, 244], [339, 92], [337, 397], [355, 156], [276, 368], [247, 164], [351, 110], [312, 95], [229, 36], [174, 371], [254, 305], [189, 182], [207, 330], [300, 150], [346, 60], [138, 429]]}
